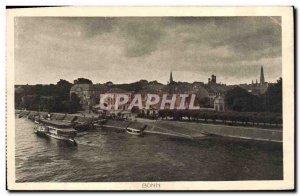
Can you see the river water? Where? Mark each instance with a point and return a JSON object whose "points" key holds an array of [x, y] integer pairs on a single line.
{"points": [[110, 156]]}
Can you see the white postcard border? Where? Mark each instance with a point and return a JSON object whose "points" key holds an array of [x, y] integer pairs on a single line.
{"points": [[288, 95]]}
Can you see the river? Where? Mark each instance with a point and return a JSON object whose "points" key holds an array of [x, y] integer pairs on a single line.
{"points": [[110, 156]]}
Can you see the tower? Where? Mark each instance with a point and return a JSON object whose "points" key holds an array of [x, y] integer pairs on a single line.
{"points": [[262, 77], [171, 77], [214, 79], [171, 84]]}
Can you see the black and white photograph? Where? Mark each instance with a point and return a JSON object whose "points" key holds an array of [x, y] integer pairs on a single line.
{"points": [[150, 101]]}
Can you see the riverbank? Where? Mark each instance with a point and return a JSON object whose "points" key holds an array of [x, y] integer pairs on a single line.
{"points": [[190, 130], [115, 156], [197, 130]]}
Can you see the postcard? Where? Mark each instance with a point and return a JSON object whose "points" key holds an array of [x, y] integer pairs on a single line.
{"points": [[150, 98]]}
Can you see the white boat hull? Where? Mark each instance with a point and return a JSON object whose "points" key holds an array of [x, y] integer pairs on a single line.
{"points": [[134, 131], [61, 138], [42, 131]]}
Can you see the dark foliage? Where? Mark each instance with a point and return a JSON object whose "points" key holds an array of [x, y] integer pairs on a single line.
{"points": [[238, 99], [49, 98], [274, 97], [83, 81], [228, 117]]}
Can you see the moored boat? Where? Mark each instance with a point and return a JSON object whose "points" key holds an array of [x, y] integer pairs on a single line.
{"points": [[134, 131], [65, 134], [135, 128], [40, 130], [59, 131]]}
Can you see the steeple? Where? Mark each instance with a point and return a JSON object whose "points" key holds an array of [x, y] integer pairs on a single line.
{"points": [[171, 77], [262, 77]]}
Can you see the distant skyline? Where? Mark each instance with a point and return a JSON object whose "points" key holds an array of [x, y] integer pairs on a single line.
{"points": [[125, 50]]}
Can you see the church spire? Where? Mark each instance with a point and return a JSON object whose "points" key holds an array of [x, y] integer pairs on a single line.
{"points": [[262, 77], [171, 77]]}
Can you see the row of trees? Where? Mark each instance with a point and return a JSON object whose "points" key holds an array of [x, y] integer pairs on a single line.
{"points": [[56, 97], [49, 98], [238, 99], [225, 117]]}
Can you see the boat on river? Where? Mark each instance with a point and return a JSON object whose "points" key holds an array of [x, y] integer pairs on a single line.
{"points": [[135, 128], [134, 131], [57, 130]]}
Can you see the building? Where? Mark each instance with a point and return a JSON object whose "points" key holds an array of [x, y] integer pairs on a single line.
{"points": [[88, 94], [257, 88], [215, 89], [212, 80], [171, 78], [171, 85], [262, 77], [206, 94], [219, 103], [112, 100]]}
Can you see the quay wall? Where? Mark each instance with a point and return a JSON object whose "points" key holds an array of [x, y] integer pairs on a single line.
{"points": [[119, 125], [196, 129]]}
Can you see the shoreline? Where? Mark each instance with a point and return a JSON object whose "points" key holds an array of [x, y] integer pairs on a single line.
{"points": [[189, 130]]}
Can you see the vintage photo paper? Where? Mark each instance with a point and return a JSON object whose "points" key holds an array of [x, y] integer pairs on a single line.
{"points": [[150, 98]]}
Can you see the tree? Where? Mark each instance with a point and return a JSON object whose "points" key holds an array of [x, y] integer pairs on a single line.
{"points": [[64, 83], [274, 97], [137, 86], [238, 99], [204, 102], [30, 102], [109, 83], [19, 93], [50, 105], [62, 89], [74, 105], [83, 81]]}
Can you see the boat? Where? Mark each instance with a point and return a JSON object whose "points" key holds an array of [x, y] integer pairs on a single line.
{"points": [[135, 128], [134, 131], [40, 130], [56, 130], [65, 134]]}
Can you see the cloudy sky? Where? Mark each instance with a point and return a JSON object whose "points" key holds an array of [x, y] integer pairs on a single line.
{"points": [[125, 50]]}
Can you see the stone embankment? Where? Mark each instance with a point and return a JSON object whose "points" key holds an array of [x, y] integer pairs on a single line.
{"points": [[196, 130]]}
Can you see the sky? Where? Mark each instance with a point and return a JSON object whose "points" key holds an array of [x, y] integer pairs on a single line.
{"points": [[124, 50]]}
